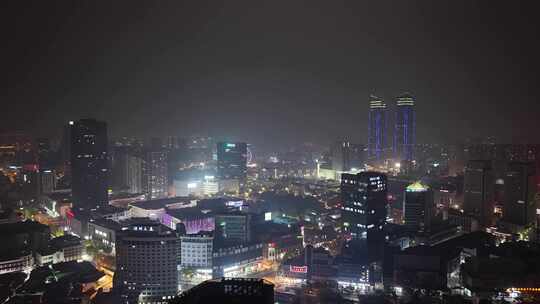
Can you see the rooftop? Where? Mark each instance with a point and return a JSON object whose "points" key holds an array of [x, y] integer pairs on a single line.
{"points": [[160, 203], [65, 241], [109, 209], [417, 187], [186, 213], [107, 223], [22, 227]]}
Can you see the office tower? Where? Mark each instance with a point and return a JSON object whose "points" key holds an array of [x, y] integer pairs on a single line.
{"points": [[196, 252], [147, 256], [405, 128], [127, 171], [364, 200], [519, 191], [358, 155], [229, 291], [47, 181], [341, 156], [232, 161], [156, 174], [478, 191], [232, 228], [418, 207], [134, 174], [377, 130], [44, 152], [89, 167]]}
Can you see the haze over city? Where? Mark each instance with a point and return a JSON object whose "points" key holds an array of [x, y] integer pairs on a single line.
{"points": [[297, 152], [298, 71]]}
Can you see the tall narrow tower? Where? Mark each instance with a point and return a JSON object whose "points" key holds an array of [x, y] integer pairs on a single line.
{"points": [[363, 211], [478, 191], [377, 128], [405, 128], [89, 166]]}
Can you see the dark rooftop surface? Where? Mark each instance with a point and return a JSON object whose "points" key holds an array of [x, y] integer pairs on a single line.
{"points": [[60, 275], [22, 227], [107, 223], [187, 213], [160, 203], [65, 241]]}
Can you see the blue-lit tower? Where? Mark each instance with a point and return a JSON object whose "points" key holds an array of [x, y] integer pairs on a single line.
{"points": [[405, 128], [377, 128]]}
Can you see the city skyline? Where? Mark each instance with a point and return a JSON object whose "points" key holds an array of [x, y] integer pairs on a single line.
{"points": [[298, 152]]}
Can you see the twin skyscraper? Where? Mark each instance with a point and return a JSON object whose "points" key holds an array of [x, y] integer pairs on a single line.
{"points": [[401, 148]]}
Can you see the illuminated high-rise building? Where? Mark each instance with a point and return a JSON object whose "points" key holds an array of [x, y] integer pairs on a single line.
{"points": [[232, 161], [147, 258], [127, 169], [233, 228], [377, 129], [156, 174], [418, 207], [363, 210], [47, 180], [89, 165], [405, 128]]}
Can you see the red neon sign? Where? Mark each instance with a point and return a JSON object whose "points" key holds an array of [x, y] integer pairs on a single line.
{"points": [[298, 269]]}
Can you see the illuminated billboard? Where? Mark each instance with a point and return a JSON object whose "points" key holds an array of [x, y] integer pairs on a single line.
{"points": [[298, 269]]}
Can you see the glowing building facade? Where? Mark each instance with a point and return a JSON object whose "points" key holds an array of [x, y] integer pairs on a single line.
{"points": [[418, 207], [405, 128], [156, 175], [232, 160], [377, 130]]}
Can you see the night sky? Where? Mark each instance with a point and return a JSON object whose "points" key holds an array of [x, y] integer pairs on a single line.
{"points": [[270, 71]]}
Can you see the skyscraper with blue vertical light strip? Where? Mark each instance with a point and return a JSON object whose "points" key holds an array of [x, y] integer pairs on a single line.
{"points": [[405, 128], [377, 128]]}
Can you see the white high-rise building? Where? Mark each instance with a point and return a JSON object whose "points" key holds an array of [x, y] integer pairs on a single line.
{"points": [[197, 250], [147, 257]]}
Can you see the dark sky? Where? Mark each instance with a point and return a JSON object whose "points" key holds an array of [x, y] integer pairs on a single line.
{"points": [[270, 71]]}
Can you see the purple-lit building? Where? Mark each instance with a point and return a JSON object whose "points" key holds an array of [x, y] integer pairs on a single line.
{"points": [[193, 219], [377, 128], [405, 128]]}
